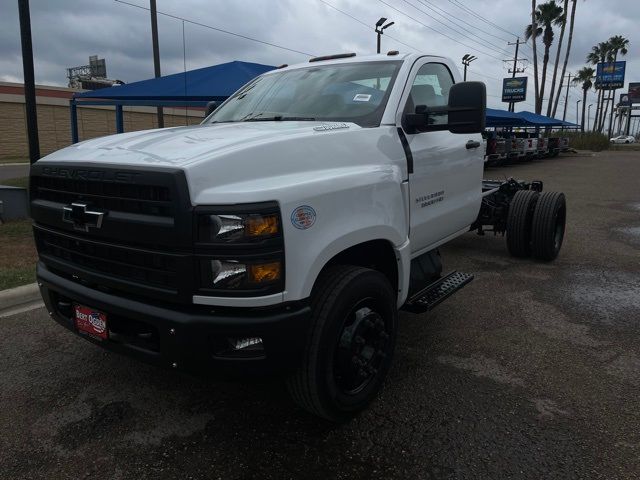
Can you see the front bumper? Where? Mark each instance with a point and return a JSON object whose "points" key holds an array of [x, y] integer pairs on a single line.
{"points": [[191, 338]]}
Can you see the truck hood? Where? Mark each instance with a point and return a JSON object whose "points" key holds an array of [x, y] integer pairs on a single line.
{"points": [[183, 146], [253, 161]]}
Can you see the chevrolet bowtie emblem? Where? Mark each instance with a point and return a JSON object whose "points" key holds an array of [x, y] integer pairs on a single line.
{"points": [[82, 217]]}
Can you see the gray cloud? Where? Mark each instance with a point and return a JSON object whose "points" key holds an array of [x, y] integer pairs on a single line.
{"points": [[66, 32]]}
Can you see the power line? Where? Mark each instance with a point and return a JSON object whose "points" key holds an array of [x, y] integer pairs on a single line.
{"points": [[463, 21], [463, 7], [368, 27], [438, 31], [485, 43], [219, 29]]}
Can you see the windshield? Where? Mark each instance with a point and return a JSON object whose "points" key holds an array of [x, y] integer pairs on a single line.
{"points": [[355, 92]]}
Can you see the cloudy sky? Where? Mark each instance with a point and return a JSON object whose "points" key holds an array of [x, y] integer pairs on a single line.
{"points": [[66, 32]]}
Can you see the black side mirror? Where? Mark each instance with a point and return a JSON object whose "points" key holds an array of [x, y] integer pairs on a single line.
{"points": [[211, 106], [467, 107], [466, 111]]}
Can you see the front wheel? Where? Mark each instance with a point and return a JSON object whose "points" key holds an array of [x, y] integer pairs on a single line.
{"points": [[350, 345]]}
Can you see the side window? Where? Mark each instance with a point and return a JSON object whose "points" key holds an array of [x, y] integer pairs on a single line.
{"points": [[430, 88]]}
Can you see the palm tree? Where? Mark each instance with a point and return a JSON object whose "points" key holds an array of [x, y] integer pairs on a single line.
{"points": [[599, 54], [534, 47], [565, 9], [618, 44], [566, 57], [546, 15], [584, 76]]}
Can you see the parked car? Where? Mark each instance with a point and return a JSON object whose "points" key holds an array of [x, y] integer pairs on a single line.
{"points": [[623, 139], [285, 232]]}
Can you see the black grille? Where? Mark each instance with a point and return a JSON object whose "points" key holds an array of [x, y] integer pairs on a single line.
{"points": [[130, 198], [132, 265]]}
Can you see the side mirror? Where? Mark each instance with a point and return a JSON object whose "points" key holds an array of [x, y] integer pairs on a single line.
{"points": [[467, 107], [211, 106], [465, 113]]}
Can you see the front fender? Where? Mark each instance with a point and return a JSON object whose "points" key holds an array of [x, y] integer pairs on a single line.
{"points": [[351, 209]]}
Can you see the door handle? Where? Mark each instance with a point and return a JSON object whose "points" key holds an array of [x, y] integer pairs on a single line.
{"points": [[472, 144]]}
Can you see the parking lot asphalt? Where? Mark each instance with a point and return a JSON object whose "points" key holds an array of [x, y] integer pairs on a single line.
{"points": [[531, 371]]}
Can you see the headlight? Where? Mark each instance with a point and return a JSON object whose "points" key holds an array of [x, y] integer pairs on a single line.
{"points": [[238, 275], [240, 249], [238, 228]]}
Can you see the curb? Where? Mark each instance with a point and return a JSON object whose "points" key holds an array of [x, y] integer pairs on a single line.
{"points": [[20, 299], [12, 164]]}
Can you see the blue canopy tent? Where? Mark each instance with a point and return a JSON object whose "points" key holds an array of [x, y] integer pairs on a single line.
{"points": [[194, 88], [503, 118], [541, 121]]}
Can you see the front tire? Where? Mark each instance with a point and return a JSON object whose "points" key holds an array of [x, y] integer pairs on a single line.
{"points": [[350, 345]]}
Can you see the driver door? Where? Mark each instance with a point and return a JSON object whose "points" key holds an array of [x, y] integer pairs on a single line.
{"points": [[446, 183]]}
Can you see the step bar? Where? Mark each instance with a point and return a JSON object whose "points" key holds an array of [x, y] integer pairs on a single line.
{"points": [[437, 292]]}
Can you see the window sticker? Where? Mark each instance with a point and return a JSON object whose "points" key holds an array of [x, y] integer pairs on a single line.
{"points": [[362, 97]]}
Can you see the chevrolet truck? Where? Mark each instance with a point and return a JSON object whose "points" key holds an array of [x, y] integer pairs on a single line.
{"points": [[286, 231]]}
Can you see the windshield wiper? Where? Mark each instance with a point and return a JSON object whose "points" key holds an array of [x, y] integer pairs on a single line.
{"points": [[279, 118]]}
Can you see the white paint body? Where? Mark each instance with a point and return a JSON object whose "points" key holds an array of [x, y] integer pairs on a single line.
{"points": [[356, 179]]}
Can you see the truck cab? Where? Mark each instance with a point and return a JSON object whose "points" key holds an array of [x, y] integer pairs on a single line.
{"points": [[283, 233]]}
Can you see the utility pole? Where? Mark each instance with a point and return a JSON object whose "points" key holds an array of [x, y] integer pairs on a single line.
{"points": [[156, 52], [29, 80], [515, 68], [566, 97], [589, 115]]}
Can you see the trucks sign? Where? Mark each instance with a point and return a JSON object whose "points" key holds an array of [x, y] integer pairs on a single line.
{"points": [[514, 89], [610, 75]]}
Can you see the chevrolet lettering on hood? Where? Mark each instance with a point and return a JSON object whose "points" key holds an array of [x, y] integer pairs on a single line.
{"points": [[95, 175]]}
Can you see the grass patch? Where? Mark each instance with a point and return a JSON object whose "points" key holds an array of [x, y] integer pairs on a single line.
{"points": [[17, 254], [593, 141], [14, 160], [22, 182]]}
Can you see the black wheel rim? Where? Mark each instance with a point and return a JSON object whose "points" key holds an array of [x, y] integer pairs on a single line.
{"points": [[361, 347]]}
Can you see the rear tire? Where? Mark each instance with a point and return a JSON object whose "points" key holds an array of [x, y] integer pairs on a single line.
{"points": [[350, 345], [547, 230], [519, 220]]}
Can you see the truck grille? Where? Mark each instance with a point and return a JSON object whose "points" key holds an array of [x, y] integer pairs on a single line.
{"points": [[132, 265], [144, 240], [142, 199]]}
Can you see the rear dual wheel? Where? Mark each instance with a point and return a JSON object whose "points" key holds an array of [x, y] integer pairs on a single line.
{"points": [[536, 224], [547, 228]]}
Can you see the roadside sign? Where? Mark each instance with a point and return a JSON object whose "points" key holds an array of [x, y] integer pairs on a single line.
{"points": [[634, 93], [610, 75], [514, 89]]}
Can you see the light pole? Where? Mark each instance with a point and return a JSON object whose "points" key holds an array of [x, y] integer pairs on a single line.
{"points": [[29, 81], [588, 115], [156, 53], [380, 29], [577, 117], [466, 60]]}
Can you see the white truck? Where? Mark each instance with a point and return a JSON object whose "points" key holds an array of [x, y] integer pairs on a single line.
{"points": [[285, 232]]}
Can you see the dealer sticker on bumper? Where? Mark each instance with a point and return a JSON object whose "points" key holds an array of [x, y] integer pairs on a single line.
{"points": [[90, 322]]}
